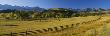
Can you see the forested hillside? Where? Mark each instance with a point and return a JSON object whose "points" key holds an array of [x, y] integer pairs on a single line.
{"points": [[49, 13]]}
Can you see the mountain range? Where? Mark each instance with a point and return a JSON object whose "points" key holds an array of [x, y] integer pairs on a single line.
{"points": [[6, 6]]}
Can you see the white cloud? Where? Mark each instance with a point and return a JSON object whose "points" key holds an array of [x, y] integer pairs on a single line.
{"points": [[16, 2]]}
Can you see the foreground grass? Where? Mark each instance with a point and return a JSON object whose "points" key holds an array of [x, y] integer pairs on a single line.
{"points": [[84, 29], [94, 28]]}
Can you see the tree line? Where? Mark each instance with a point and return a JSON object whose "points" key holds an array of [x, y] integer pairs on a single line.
{"points": [[48, 13]]}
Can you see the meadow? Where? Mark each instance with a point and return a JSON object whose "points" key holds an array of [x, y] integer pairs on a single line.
{"points": [[54, 22], [75, 26]]}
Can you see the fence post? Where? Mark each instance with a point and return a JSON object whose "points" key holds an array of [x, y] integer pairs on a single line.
{"points": [[11, 34], [22, 34], [72, 25], [67, 26], [32, 32], [7, 34], [77, 24], [62, 28], [50, 29], [56, 29], [39, 31], [45, 30], [26, 32], [0, 35]]}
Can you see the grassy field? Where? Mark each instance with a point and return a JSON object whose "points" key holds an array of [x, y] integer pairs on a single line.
{"points": [[76, 26]]}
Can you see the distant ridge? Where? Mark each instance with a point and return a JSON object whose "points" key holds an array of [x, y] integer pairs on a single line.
{"points": [[6, 6]]}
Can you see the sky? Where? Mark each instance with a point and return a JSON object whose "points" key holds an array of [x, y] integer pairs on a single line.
{"points": [[59, 3]]}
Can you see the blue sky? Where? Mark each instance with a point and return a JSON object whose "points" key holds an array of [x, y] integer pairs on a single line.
{"points": [[60, 3]]}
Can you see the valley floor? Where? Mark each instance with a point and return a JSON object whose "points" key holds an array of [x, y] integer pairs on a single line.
{"points": [[76, 26]]}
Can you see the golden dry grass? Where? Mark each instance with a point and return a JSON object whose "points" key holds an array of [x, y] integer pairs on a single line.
{"points": [[91, 28]]}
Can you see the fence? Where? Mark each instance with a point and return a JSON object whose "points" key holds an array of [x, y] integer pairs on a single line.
{"points": [[40, 31]]}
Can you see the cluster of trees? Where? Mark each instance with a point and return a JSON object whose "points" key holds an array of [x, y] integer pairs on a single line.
{"points": [[50, 13]]}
